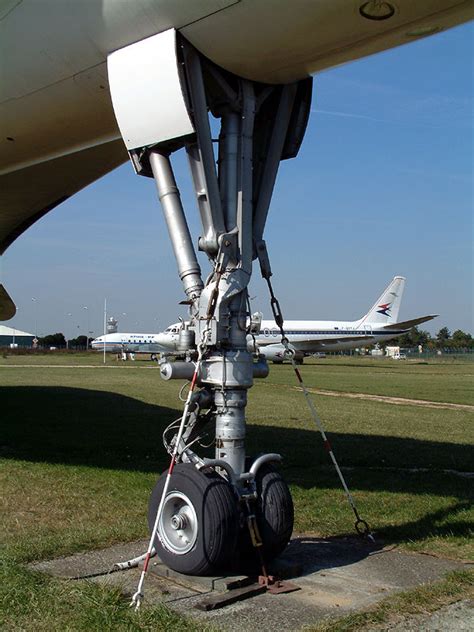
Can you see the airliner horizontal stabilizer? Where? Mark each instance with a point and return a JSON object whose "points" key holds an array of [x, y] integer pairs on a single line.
{"points": [[408, 324]]}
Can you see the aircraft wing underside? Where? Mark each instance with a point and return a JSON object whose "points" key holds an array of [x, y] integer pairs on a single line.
{"points": [[28, 194], [316, 345]]}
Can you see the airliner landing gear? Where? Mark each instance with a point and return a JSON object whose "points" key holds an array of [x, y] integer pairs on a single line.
{"points": [[209, 500]]}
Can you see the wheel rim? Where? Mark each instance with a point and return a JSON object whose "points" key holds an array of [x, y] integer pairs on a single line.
{"points": [[178, 528]]}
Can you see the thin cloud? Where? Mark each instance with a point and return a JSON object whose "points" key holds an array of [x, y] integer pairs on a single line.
{"points": [[350, 115], [411, 115]]}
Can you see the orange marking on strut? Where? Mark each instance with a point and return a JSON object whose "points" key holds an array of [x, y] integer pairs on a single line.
{"points": [[193, 381], [298, 375]]}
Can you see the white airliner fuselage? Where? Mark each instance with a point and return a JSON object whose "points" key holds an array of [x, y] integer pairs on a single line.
{"points": [[312, 336], [134, 343], [306, 336]]}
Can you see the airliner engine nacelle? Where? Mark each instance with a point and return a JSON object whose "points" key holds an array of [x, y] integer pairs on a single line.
{"points": [[277, 354]]}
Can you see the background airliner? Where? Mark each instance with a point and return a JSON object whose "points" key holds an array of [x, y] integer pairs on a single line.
{"points": [[312, 336], [134, 343]]}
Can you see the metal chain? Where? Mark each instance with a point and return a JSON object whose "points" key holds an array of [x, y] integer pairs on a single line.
{"points": [[361, 526]]}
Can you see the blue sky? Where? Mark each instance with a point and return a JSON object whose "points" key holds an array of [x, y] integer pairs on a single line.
{"points": [[382, 186]]}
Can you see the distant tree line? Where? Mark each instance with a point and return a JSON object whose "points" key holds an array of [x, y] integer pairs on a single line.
{"points": [[457, 341], [59, 341]]}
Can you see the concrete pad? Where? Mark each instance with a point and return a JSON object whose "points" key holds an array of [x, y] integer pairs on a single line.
{"points": [[336, 576], [82, 565]]}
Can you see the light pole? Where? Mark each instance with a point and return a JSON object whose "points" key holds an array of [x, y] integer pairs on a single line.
{"points": [[35, 301], [66, 336], [14, 329], [87, 330]]}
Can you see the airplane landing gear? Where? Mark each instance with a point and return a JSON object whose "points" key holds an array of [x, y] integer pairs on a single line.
{"points": [[161, 109]]}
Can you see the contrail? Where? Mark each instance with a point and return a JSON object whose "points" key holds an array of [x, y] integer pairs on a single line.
{"points": [[349, 115]]}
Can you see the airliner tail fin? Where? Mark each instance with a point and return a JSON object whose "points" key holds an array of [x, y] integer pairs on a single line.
{"points": [[385, 310]]}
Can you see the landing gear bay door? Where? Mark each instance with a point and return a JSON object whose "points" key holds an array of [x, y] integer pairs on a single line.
{"points": [[147, 92]]}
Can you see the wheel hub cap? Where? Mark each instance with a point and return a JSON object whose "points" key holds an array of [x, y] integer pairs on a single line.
{"points": [[178, 527]]}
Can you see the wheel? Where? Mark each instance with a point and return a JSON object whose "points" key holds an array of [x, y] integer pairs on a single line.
{"points": [[274, 512], [198, 529]]}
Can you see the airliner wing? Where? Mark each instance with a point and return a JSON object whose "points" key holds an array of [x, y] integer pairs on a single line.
{"points": [[316, 345], [408, 324], [29, 193]]}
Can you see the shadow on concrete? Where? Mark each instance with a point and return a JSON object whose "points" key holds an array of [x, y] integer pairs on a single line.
{"points": [[305, 555]]}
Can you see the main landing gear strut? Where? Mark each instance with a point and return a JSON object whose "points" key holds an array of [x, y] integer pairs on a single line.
{"points": [[209, 503]]}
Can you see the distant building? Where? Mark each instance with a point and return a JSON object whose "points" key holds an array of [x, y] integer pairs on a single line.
{"points": [[9, 337]]}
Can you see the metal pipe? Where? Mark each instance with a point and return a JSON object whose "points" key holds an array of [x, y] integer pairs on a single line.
{"points": [[177, 370], [265, 458], [230, 427], [229, 167], [245, 193], [134, 562], [223, 465], [168, 193], [273, 158], [201, 157], [210, 226]]}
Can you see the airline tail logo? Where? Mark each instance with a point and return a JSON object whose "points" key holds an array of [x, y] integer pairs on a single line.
{"points": [[384, 309]]}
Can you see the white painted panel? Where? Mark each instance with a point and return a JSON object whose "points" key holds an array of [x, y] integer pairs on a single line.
{"points": [[146, 92]]}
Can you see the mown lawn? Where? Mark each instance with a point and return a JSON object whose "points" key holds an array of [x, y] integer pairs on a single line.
{"points": [[82, 447]]}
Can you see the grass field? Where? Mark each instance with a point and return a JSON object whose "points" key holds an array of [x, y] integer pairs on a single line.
{"points": [[81, 447]]}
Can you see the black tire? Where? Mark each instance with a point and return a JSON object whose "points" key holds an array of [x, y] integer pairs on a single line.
{"points": [[211, 501], [274, 512]]}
